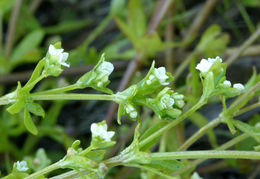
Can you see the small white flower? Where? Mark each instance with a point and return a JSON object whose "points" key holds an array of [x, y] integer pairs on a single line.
{"points": [[106, 68], [22, 166], [195, 176], [160, 74], [227, 83], [239, 86], [204, 65], [101, 131], [167, 101], [59, 54]]}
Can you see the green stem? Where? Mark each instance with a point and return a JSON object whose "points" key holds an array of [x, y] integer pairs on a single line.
{"points": [[34, 82], [248, 108], [200, 133], [222, 147], [173, 123], [206, 154], [45, 170], [72, 96], [58, 90], [87, 150]]}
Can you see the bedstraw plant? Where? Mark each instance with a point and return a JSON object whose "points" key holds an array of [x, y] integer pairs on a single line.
{"points": [[152, 92]]}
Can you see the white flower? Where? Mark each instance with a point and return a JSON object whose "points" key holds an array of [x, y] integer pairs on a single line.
{"points": [[59, 54], [195, 176], [160, 74], [204, 65], [106, 68], [239, 86], [131, 111], [167, 101], [227, 83], [22, 166], [213, 60], [99, 130]]}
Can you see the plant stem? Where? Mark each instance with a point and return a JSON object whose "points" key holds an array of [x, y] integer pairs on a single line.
{"points": [[173, 123], [207, 154], [200, 133], [248, 108], [72, 96], [58, 90], [227, 145], [45, 170]]}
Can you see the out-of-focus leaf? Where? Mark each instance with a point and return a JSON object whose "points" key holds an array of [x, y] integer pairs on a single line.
{"points": [[118, 8], [30, 42], [126, 30], [251, 3], [66, 26], [29, 124], [213, 42], [136, 18], [6, 5], [113, 51]]}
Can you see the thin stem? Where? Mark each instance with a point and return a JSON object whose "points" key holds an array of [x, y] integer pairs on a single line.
{"points": [[12, 28], [72, 96], [58, 90], [173, 123], [243, 47], [222, 147], [206, 154], [245, 16], [200, 133], [248, 108], [45, 170], [87, 150]]}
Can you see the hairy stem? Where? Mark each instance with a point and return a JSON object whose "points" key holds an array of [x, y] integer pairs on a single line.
{"points": [[206, 154], [173, 123]]}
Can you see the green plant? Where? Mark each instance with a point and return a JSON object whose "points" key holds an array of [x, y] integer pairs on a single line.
{"points": [[151, 92]]}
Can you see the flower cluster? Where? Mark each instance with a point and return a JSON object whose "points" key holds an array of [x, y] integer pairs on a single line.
{"points": [[167, 104], [54, 60], [99, 130]]}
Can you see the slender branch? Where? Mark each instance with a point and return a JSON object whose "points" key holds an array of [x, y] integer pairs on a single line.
{"points": [[173, 123], [35, 5], [12, 28], [199, 21], [244, 46], [199, 133], [206, 154], [58, 90], [45, 170], [225, 146], [71, 96]]}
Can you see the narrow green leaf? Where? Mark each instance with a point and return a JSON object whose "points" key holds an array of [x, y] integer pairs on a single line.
{"points": [[29, 42], [37, 71], [166, 166], [67, 26], [29, 124], [35, 108], [137, 19]]}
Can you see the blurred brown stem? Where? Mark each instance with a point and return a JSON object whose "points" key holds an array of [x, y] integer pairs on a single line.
{"points": [[12, 28]]}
